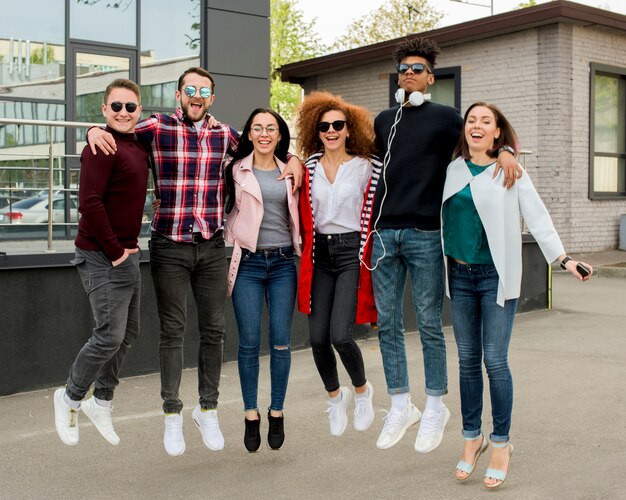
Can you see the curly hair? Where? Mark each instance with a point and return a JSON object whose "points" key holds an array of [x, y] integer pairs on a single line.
{"points": [[358, 121], [422, 47]]}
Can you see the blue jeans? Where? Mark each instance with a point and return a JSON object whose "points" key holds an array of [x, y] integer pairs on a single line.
{"points": [[265, 276], [174, 267], [333, 308], [114, 294], [419, 253], [482, 328]]}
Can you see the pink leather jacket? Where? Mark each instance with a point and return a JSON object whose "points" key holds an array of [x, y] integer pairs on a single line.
{"points": [[244, 221]]}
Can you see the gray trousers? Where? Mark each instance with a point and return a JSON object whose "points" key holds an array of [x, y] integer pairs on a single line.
{"points": [[114, 294]]}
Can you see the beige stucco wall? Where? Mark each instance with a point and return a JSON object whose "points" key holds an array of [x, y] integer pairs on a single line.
{"points": [[540, 79]]}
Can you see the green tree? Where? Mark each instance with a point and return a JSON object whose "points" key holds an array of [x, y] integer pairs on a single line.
{"points": [[528, 3], [292, 39], [393, 19], [37, 55]]}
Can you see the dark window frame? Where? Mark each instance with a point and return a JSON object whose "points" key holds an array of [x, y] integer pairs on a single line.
{"points": [[612, 71]]}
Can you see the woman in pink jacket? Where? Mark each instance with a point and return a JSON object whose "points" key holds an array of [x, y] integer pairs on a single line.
{"points": [[262, 225]]}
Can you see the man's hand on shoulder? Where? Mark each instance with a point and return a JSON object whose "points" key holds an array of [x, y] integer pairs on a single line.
{"points": [[213, 122], [295, 170], [103, 140], [512, 170]]}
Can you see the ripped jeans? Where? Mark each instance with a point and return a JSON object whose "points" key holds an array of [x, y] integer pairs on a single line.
{"points": [[265, 276]]}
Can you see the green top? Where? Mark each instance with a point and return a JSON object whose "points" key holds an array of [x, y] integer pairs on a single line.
{"points": [[463, 232]]}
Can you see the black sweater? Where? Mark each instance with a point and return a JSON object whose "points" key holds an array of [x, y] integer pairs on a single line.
{"points": [[420, 153]]}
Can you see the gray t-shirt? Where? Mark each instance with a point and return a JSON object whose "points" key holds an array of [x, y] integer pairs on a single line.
{"points": [[274, 231]]}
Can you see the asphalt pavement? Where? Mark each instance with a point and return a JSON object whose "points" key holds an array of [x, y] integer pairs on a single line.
{"points": [[569, 425]]}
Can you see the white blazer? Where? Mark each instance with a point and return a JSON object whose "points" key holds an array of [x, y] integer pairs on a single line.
{"points": [[499, 210]]}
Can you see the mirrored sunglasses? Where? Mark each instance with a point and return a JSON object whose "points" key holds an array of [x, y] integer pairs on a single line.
{"points": [[191, 91]]}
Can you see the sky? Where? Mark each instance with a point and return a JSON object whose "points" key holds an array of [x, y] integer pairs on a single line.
{"points": [[333, 16]]}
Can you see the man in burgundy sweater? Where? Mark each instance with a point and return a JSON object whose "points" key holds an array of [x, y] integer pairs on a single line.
{"points": [[111, 200]]}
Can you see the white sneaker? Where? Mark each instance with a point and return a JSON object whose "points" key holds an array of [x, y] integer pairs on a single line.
{"points": [[65, 419], [337, 412], [364, 410], [101, 418], [209, 427], [173, 438], [431, 429], [396, 424]]}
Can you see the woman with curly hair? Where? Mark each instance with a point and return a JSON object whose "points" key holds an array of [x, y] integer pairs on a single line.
{"points": [[335, 287]]}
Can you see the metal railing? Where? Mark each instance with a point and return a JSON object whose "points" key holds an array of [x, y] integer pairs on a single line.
{"points": [[51, 158]]}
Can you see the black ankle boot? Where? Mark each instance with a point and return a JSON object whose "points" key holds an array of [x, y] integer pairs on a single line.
{"points": [[276, 432], [252, 435]]}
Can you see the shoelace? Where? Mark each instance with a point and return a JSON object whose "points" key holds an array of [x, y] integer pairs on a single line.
{"points": [[392, 419], [331, 410], [73, 417], [172, 427], [361, 405], [430, 421], [210, 420]]}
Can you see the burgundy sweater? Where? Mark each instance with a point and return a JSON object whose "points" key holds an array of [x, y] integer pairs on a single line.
{"points": [[111, 196]]}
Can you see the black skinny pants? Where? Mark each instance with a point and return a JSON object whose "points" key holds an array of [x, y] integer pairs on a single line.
{"points": [[333, 308]]}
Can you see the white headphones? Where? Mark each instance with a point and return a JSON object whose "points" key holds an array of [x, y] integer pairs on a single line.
{"points": [[415, 98]]}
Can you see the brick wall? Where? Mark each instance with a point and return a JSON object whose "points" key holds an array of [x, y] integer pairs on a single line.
{"points": [[540, 79]]}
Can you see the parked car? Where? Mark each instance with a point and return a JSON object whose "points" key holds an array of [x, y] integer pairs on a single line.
{"points": [[35, 210], [7, 197]]}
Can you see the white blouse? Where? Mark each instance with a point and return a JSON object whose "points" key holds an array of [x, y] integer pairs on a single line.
{"points": [[337, 206]]}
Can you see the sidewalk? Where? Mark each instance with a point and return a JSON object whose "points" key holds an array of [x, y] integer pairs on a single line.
{"points": [[569, 427]]}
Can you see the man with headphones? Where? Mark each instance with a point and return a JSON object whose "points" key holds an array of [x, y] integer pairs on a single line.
{"points": [[416, 140]]}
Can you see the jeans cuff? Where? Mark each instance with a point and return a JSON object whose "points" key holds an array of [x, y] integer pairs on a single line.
{"points": [[436, 392], [495, 439], [103, 394], [398, 390], [471, 435]]}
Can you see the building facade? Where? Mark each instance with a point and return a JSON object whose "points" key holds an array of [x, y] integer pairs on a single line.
{"points": [[557, 70], [57, 56]]}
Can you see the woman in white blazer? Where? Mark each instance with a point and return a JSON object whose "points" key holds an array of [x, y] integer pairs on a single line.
{"points": [[483, 247], [264, 228]]}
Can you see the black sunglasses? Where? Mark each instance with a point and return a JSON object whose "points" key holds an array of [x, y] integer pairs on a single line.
{"points": [[117, 106], [416, 68], [337, 125]]}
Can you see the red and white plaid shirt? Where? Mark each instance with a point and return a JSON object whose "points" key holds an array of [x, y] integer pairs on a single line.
{"points": [[190, 173]]}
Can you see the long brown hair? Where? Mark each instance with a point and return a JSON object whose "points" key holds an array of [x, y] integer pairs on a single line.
{"points": [[507, 137], [358, 121]]}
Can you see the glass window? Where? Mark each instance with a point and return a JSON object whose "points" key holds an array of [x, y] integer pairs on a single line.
{"points": [[608, 148], [443, 90], [32, 49], [113, 22], [93, 73], [28, 135], [170, 43]]}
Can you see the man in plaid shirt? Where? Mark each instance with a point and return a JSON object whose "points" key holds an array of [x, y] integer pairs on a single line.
{"points": [[187, 245]]}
